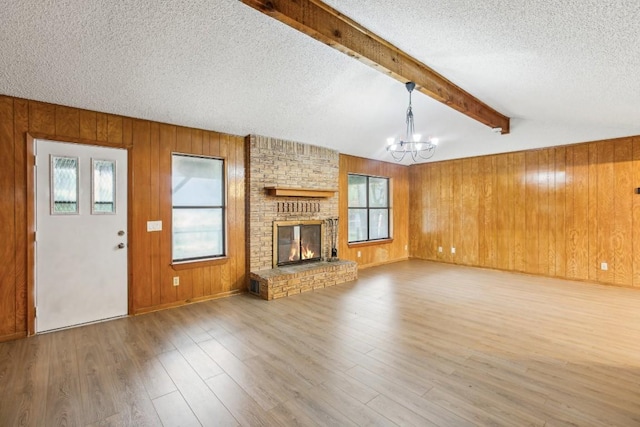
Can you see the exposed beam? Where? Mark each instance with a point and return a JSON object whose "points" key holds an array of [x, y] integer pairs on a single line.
{"points": [[322, 22]]}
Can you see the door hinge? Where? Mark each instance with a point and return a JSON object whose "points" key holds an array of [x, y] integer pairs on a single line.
{"points": [[35, 311], [35, 236]]}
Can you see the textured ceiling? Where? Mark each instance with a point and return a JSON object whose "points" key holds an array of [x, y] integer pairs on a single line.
{"points": [[564, 71]]}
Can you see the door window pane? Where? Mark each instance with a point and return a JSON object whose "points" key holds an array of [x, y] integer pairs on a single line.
{"points": [[64, 185], [103, 189]]}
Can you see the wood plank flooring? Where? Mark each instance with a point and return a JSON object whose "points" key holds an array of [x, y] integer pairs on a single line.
{"points": [[411, 343]]}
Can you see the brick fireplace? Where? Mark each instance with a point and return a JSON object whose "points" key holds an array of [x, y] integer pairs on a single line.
{"points": [[290, 182]]}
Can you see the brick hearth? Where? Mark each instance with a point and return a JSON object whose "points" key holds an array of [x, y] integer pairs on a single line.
{"points": [[291, 280]]}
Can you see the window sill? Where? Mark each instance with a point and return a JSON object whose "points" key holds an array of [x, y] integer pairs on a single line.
{"points": [[370, 243], [188, 265]]}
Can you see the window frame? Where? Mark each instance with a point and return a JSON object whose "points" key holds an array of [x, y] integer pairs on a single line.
{"points": [[368, 208], [176, 262]]}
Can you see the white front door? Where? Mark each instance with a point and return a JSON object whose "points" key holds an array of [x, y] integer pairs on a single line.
{"points": [[81, 234]]}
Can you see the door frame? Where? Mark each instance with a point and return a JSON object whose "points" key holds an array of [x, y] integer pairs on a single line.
{"points": [[31, 215]]}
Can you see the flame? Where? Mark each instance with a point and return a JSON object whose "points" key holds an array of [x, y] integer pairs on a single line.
{"points": [[293, 253], [307, 253]]}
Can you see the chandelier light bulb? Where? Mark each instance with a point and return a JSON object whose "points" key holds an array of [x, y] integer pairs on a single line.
{"points": [[412, 144]]}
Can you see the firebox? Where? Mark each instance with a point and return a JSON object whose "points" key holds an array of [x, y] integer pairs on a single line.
{"points": [[296, 242]]}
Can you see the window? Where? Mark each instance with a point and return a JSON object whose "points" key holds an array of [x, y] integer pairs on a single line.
{"points": [[197, 189], [369, 210], [103, 189], [64, 185]]}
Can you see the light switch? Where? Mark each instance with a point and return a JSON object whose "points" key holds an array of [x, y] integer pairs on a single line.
{"points": [[154, 225]]}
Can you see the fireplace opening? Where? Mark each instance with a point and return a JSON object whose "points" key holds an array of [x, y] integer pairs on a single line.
{"points": [[297, 243]]}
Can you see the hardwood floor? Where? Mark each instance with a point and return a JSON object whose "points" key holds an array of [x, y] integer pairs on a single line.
{"points": [[411, 343]]}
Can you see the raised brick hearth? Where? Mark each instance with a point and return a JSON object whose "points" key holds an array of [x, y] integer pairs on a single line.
{"points": [[291, 280]]}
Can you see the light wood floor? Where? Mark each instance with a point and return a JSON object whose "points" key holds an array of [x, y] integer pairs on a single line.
{"points": [[412, 343]]}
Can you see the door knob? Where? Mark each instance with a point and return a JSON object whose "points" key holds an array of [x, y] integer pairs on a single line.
{"points": [[121, 246]]}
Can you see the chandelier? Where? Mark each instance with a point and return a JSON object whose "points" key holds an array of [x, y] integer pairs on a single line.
{"points": [[412, 143]]}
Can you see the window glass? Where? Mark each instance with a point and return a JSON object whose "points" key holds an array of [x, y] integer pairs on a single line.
{"points": [[357, 191], [198, 225], [357, 225], [197, 233], [378, 192], [369, 210], [197, 181], [64, 185], [103, 186], [378, 224]]}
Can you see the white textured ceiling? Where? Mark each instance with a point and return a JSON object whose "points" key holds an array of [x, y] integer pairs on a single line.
{"points": [[565, 71]]}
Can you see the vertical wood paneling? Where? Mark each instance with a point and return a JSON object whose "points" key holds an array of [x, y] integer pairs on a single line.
{"points": [[239, 215], [560, 201], [102, 127], [469, 193], [141, 240], [519, 230], [225, 269], [67, 122], [635, 216], [603, 167], [151, 145], [445, 236], [7, 220], [88, 126], [155, 247], [531, 213], [623, 204], [504, 213], [114, 129], [373, 254], [42, 118], [21, 124], [457, 212], [163, 291], [559, 211], [216, 270], [487, 241], [543, 212], [581, 204]]}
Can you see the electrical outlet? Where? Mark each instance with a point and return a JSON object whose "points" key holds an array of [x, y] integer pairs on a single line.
{"points": [[176, 281], [406, 247], [440, 249], [453, 250], [359, 254], [604, 266]]}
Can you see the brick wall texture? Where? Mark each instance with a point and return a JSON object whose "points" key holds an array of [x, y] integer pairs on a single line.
{"points": [[279, 163]]}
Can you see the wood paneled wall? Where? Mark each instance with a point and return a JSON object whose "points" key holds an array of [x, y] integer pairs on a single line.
{"points": [[150, 145], [558, 211], [377, 253]]}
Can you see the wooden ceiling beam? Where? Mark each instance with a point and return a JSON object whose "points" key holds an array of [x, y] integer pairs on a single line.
{"points": [[322, 22]]}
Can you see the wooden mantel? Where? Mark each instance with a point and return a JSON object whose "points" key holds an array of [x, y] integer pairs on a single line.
{"points": [[299, 192]]}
